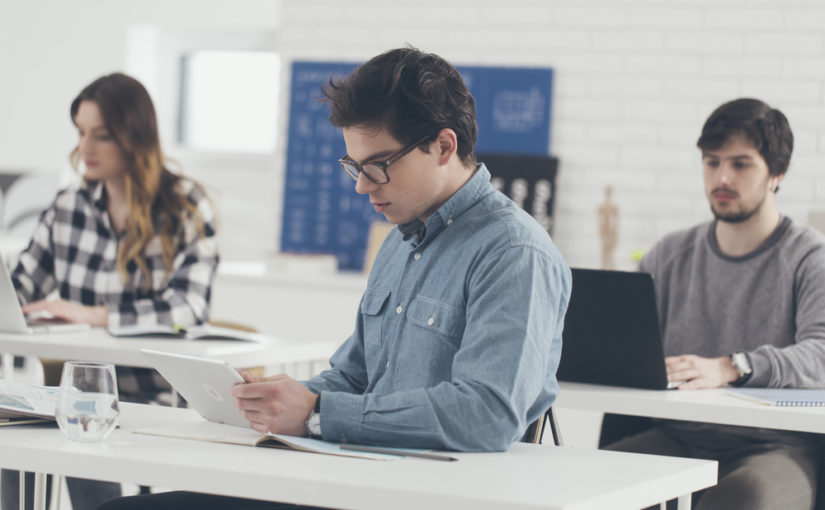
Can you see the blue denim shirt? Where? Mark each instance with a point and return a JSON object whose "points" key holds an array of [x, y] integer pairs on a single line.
{"points": [[458, 337]]}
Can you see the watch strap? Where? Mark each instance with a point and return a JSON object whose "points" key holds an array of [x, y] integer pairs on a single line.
{"points": [[313, 423], [742, 363]]}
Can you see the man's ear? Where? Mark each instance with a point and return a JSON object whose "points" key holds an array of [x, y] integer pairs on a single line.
{"points": [[775, 180], [447, 145]]}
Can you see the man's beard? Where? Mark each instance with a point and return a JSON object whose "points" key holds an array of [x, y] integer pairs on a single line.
{"points": [[739, 216]]}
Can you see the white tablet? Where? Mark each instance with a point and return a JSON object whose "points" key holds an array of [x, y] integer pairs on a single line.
{"points": [[205, 384]]}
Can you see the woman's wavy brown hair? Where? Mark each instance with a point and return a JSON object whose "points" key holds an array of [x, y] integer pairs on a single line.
{"points": [[155, 203]]}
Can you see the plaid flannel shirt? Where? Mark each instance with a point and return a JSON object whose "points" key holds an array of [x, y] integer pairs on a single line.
{"points": [[73, 253]]}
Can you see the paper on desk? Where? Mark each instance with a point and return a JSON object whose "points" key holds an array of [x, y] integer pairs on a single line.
{"points": [[195, 332], [781, 397], [222, 433], [20, 399]]}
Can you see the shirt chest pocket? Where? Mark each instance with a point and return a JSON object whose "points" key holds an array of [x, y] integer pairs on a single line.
{"points": [[372, 314], [441, 319]]}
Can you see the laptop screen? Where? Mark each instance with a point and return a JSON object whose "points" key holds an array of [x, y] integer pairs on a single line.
{"points": [[611, 331]]}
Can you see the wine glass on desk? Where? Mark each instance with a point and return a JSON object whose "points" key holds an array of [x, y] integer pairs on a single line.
{"points": [[87, 405]]}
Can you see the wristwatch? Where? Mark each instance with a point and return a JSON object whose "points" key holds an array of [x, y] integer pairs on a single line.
{"points": [[314, 420], [742, 364]]}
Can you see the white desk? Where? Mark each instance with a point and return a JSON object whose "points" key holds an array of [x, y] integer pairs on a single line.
{"points": [[98, 345], [710, 406], [525, 477]]}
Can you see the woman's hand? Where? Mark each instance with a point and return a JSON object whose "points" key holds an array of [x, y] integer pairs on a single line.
{"points": [[72, 312]]}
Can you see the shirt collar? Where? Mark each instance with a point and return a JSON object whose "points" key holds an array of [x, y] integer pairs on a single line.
{"points": [[95, 193], [461, 200], [416, 228]]}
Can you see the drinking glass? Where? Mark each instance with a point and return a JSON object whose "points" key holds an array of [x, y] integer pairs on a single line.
{"points": [[87, 405]]}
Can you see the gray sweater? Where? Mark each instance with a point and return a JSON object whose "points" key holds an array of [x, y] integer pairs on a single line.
{"points": [[769, 303]]}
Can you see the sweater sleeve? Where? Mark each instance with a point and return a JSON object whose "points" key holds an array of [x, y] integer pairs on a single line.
{"points": [[801, 364]]}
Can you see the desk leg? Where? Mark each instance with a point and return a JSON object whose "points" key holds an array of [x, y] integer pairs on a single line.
{"points": [[8, 366], [39, 491], [684, 502]]}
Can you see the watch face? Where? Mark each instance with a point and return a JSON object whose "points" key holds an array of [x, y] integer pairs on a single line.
{"points": [[314, 424], [741, 363]]}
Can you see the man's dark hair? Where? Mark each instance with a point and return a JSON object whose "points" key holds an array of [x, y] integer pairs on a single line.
{"points": [[410, 94], [765, 127]]}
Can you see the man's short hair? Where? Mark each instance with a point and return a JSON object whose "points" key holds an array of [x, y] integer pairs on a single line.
{"points": [[765, 127], [410, 94]]}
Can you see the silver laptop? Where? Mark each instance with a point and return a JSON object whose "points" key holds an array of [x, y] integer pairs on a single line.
{"points": [[13, 320], [205, 383]]}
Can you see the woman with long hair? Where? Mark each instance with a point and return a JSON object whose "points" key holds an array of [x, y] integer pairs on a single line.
{"points": [[132, 243]]}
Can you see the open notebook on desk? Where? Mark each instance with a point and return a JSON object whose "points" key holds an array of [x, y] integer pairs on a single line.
{"points": [[196, 332], [22, 403], [231, 434], [781, 397]]}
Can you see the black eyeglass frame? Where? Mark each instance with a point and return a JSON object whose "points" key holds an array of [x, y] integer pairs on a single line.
{"points": [[349, 164]]}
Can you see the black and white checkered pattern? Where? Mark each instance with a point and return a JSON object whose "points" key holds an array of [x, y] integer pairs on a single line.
{"points": [[73, 253]]}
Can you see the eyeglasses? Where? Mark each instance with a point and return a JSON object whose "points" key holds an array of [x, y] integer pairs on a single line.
{"points": [[376, 171]]}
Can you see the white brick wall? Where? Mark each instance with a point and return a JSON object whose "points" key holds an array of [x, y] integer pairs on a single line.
{"points": [[635, 80]]}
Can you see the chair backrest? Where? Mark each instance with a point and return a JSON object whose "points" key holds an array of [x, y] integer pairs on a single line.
{"points": [[619, 426], [535, 431], [25, 199]]}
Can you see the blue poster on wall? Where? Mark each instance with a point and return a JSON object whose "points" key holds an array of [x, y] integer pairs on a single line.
{"points": [[513, 108], [323, 213]]}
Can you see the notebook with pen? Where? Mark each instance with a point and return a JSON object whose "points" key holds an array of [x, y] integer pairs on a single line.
{"points": [[611, 331], [781, 397]]}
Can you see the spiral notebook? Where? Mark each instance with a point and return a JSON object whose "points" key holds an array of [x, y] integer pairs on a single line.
{"points": [[781, 397]]}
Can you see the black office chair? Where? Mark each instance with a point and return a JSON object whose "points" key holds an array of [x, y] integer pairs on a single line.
{"points": [[535, 432], [620, 426]]}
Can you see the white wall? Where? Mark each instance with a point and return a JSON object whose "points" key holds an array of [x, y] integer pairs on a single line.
{"points": [[51, 49], [634, 81]]}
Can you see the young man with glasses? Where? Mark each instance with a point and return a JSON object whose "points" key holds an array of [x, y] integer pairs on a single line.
{"points": [[458, 335]]}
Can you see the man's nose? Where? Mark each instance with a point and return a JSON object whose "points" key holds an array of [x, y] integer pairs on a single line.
{"points": [[725, 174], [363, 185]]}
